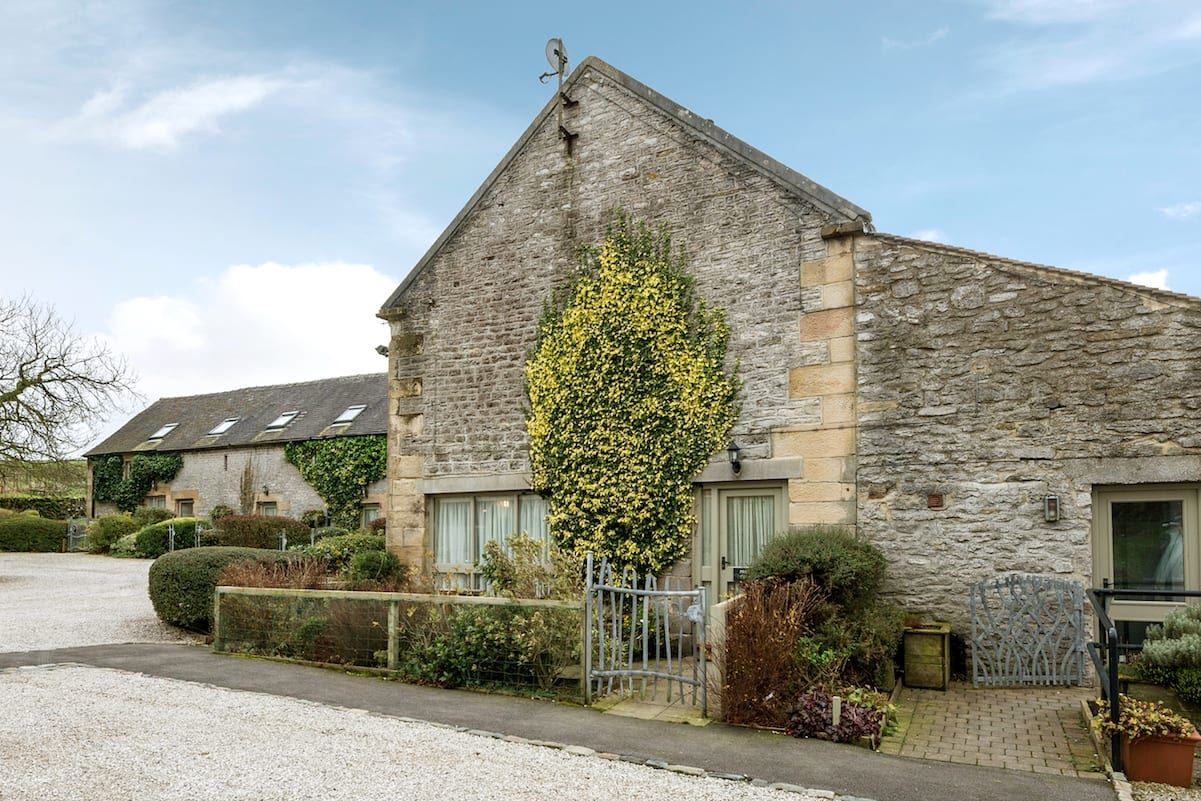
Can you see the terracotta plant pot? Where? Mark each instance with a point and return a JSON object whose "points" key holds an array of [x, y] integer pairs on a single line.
{"points": [[1167, 760]]}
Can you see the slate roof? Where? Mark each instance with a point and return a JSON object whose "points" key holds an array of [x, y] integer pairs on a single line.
{"points": [[319, 404], [790, 179]]}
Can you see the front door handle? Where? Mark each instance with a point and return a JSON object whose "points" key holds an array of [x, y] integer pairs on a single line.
{"points": [[724, 563]]}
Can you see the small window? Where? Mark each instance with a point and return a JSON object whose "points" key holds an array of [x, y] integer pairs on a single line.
{"points": [[164, 431], [281, 421], [184, 508], [370, 514], [223, 426], [266, 508], [157, 502], [350, 414]]}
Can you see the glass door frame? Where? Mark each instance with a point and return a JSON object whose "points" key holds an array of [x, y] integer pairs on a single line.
{"points": [[708, 507], [1103, 500]]}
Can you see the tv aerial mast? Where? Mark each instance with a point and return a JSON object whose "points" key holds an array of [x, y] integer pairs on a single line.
{"points": [[556, 56]]}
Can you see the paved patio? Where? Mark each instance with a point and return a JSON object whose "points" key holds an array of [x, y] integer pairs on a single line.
{"points": [[1034, 729]]}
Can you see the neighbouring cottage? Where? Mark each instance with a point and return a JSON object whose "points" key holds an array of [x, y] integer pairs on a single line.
{"points": [[970, 414], [232, 447]]}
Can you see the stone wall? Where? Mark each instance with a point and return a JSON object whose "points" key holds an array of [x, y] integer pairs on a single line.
{"points": [[996, 383], [213, 477], [463, 328]]}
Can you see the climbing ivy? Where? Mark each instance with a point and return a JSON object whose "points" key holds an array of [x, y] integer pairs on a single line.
{"points": [[145, 469], [338, 468], [628, 398]]}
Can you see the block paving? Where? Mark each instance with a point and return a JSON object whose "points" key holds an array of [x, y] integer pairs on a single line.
{"points": [[1036, 729]]}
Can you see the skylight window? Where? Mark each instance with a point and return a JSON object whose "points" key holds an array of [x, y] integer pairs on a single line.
{"points": [[281, 421], [223, 426], [164, 431], [350, 414]]}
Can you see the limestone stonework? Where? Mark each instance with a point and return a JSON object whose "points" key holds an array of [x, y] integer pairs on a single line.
{"points": [[995, 383]]}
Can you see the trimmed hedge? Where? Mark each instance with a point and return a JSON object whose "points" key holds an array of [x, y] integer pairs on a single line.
{"points": [[259, 531], [182, 583], [53, 507], [105, 531], [28, 532], [152, 540], [125, 548], [148, 516], [850, 570], [340, 550]]}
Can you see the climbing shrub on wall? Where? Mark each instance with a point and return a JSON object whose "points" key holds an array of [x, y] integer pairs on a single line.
{"points": [[144, 470], [338, 468], [628, 398]]}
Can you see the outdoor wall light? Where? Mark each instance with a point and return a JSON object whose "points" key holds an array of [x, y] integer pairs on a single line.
{"points": [[364, 489], [733, 452], [1051, 508], [266, 490]]}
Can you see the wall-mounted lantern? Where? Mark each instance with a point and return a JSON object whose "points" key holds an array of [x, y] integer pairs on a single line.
{"points": [[732, 451], [266, 490], [1051, 508]]}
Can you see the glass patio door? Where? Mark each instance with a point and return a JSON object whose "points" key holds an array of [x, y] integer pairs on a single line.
{"points": [[733, 525], [1147, 539]]}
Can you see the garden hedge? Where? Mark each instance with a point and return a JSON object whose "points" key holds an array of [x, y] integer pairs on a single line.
{"points": [[258, 531], [182, 583], [53, 507], [105, 531], [29, 532], [149, 515]]}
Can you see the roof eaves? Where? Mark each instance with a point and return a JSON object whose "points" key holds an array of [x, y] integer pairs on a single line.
{"points": [[716, 136]]}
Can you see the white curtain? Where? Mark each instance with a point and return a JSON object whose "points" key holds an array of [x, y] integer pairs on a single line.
{"points": [[495, 519], [750, 523], [533, 518], [452, 532]]}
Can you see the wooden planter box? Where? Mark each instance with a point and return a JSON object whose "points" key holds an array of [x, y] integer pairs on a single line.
{"points": [[927, 654], [1167, 760]]}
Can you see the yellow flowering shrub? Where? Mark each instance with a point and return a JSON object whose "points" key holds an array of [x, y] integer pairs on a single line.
{"points": [[628, 398]]}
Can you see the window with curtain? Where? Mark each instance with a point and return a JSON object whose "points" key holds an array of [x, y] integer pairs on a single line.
{"points": [[463, 525], [750, 523]]}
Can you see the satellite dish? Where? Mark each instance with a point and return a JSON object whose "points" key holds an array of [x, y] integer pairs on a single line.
{"points": [[556, 55]]}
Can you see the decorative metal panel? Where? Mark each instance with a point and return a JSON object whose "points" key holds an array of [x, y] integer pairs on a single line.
{"points": [[643, 638], [1027, 630]]}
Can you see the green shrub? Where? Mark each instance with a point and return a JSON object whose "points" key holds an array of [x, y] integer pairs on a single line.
{"points": [[315, 518], [260, 531], [28, 532], [220, 511], [866, 639], [1187, 684], [148, 516], [106, 530], [126, 547], [182, 583], [848, 569], [1180, 652], [53, 507], [378, 526], [340, 550], [153, 540], [1176, 624], [375, 566]]}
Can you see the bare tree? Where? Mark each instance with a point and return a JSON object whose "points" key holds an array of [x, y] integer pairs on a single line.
{"points": [[246, 486], [55, 386]]}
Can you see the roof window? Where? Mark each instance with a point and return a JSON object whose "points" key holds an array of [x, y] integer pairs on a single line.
{"points": [[164, 431], [282, 421], [223, 426], [350, 414]]}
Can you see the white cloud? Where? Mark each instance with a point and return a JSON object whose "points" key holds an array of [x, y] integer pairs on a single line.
{"points": [[1181, 211], [1156, 280], [930, 235], [254, 324], [909, 44], [1048, 12], [160, 122]]}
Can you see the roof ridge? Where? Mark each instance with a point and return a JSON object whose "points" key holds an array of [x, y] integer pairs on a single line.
{"points": [[715, 135], [1164, 294], [381, 374]]}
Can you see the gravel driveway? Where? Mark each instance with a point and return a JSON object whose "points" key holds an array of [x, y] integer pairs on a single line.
{"points": [[93, 733], [56, 600]]}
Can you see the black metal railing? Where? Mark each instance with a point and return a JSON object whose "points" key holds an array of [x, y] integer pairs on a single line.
{"points": [[1109, 644]]}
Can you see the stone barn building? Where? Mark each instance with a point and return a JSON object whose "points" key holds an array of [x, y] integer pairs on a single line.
{"points": [[972, 415], [226, 436]]}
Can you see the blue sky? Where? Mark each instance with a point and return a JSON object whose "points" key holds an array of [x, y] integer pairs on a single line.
{"points": [[227, 190]]}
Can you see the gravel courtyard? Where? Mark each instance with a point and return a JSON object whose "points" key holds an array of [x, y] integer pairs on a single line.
{"points": [[93, 733], [56, 600]]}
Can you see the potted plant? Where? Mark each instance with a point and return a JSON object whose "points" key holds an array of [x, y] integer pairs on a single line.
{"points": [[1157, 743]]}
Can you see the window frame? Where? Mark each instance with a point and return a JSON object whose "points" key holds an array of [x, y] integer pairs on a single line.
{"points": [[162, 431], [286, 417], [357, 408], [179, 502], [471, 571], [261, 506], [228, 423]]}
